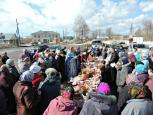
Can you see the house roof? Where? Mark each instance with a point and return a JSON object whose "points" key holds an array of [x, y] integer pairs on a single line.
{"points": [[9, 36], [43, 32]]}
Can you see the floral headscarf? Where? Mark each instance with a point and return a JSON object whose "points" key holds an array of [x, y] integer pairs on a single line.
{"points": [[136, 91]]}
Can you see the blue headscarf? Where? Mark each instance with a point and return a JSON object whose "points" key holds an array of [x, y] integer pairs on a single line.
{"points": [[141, 68], [137, 56]]}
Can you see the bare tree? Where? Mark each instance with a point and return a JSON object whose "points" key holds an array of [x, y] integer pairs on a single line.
{"points": [[148, 29], [138, 32], [109, 32], [80, 26]]}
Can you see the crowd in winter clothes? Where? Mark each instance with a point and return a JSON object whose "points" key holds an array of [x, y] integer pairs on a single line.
{"points": [[43, 82]]}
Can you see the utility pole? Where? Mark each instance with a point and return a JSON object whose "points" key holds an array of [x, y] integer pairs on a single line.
{"points": [[63, 34], [131, 30], [17, 33]]}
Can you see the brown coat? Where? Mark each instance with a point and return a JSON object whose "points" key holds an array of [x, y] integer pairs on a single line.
{"points": [[26, 98]]}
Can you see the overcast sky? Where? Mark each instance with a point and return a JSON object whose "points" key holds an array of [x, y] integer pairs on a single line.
{"points": [[34, 15]]}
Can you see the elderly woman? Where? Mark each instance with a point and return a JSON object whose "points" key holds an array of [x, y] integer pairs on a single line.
{"points": [[24, 64], [13, 70], [149, 83], [101, 102], [139, 103], [7, 98], [35, 76], [63, 105], [26, 96], [50, 88]]}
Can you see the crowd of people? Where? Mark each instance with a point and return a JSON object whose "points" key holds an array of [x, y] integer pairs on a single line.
{"points": [[92, 81]]}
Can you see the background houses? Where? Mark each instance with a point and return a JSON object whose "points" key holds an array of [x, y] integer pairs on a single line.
{"points": [[45, 36], [8, 38]]}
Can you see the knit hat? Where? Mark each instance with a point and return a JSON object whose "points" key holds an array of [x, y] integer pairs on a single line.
{"points": [[136, 91], [10, 62], [35, 68], [103, 89]]}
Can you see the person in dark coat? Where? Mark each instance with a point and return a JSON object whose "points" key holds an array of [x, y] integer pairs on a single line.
{"points": [[113, 60], [6, 87], [4, 57], [26, 95], [61, 65], [101, 102], [49, 60], [132, 61], [62, 105], [114, 56], [140, 102], [122, 98], [50, 88], [3, 103], [13, 70], [149, 83]]}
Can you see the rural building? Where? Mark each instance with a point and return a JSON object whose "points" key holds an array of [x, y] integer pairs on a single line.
{"points": [[8, 38], [45, 36]]}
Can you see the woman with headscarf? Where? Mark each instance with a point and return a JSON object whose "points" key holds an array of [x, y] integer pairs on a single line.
{"points": [[13, 70], [37, 75], [50, 88], [26, 95], [132, 61], [6, 87], [139, 103], [141, 72], [24, 64], [62, 105], [101, 102], [140, 78], [149, 83], [33, 75]]}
